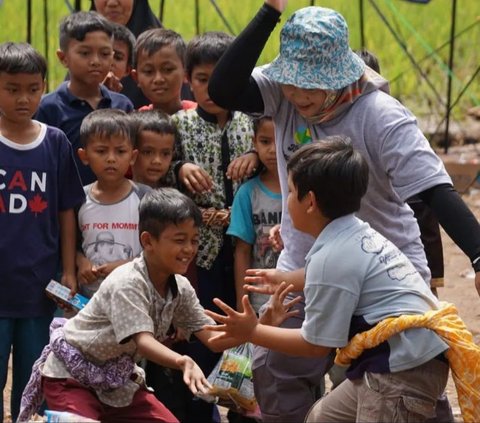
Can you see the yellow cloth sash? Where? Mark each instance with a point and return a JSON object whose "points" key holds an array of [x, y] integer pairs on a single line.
{"points": [[463, 354]]}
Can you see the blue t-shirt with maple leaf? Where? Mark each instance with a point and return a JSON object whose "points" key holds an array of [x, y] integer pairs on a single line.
{"points": [[37, 180]]}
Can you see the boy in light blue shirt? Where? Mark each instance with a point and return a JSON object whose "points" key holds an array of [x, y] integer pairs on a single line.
{"points": [[354, 279]]}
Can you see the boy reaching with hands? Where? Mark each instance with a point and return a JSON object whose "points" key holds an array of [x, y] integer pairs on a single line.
{"points": [[89, 367], [403, 375]]}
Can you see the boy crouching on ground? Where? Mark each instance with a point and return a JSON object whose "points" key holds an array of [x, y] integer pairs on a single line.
{"points": [[128, 318]]}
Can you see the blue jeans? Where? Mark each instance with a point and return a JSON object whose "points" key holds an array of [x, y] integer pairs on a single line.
{"points": [[25, 339]]}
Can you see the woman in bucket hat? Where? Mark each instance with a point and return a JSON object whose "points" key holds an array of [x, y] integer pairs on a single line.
{"points": [[315, 88]]}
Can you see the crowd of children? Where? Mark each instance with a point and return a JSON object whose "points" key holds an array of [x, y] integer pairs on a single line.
{"points": [[158, 216]]}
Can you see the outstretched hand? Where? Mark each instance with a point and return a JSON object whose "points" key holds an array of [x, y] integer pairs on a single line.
{"points": [[276, 311], [233, 326], [262, 281], [193, 375]]}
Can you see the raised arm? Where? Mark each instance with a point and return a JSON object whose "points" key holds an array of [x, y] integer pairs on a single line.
{"points": [[457, 220], [231, 85]]}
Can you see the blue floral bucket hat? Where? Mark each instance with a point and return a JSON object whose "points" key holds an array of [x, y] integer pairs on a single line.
{"points": [[315, 52]]}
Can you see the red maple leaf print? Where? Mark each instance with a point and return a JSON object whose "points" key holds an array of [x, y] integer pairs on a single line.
{"points": [[37, 205]]}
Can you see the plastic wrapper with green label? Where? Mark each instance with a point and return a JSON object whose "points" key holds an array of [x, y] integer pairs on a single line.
{"points": [[232, 382]]}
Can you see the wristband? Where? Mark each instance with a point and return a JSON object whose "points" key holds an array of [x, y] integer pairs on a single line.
{"points": [[476, 264]]}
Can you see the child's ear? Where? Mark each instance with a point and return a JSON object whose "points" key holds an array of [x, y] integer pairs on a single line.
{"points": [[134, 157], [61, 56], [312, 202], [134, 75], [145, 240], [83, 156], [128, 71]]}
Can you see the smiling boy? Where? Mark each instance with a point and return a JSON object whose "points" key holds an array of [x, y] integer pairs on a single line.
{"points": [[129, 317]]}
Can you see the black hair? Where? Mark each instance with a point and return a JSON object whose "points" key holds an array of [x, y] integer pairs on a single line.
{"points": [[257, 122], [369, 58], [335, 172], [206, 48], [166, 206], [21, 58], [154, 39], [107, 123], [155, 121], [77, 25], [122, 33]]}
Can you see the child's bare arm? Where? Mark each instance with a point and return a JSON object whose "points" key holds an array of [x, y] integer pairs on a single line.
{"points": [[245, 327], [67, 247], [242, 262], [105, 269], [150, 348], [205, 335], [86, 273]]}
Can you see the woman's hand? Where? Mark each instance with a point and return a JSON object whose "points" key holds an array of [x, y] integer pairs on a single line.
{"points": [[195, 179], [243, 166]]}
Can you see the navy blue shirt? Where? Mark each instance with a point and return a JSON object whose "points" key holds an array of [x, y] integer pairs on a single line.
{"points": [[37, 180], [63, 110]]}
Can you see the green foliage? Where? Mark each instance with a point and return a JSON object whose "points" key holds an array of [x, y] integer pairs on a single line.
{"points": [[422, 28]]}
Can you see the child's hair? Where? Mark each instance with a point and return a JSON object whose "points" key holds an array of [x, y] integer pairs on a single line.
{"points": [[166, 206], [123, 34], [369, 58], [257, 122], [206, 48], [106, 123], [77, 25], [335, 172], [155, 39], [155, 121], [21, 58]]}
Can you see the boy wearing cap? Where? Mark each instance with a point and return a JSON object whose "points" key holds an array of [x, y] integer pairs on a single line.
{"points": [[318, 87]]}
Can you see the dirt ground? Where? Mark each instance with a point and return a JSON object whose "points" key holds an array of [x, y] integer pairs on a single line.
{"points": [[459, 289]]}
